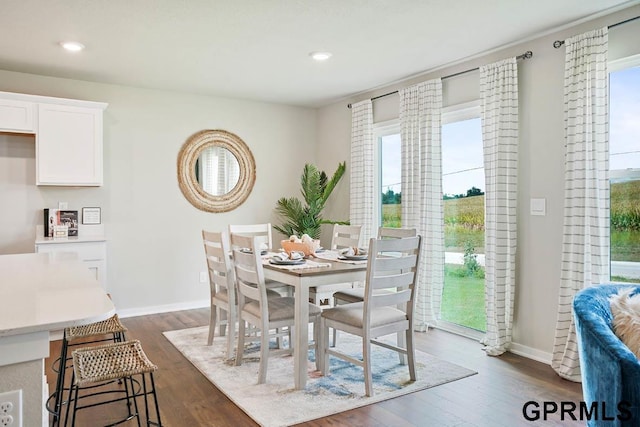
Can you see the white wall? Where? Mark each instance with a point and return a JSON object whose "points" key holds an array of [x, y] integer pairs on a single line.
{"points": [[154, 249], [541, 161]]}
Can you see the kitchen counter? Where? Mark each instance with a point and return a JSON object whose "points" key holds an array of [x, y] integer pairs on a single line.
{"points": [[40, 293]]}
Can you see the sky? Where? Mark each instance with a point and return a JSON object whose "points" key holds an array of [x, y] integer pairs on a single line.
{"points": [[624, 119], [462, 141], [461, 151]]}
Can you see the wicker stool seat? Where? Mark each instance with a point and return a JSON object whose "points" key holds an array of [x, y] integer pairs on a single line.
{"points": [[110, 329], [110, 326], [104, 363]]}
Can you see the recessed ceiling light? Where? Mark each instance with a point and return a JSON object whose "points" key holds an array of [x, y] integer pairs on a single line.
{"points": [[320, 56], [72, 46]]}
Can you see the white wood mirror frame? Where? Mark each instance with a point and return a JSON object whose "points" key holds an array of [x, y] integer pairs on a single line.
{"points": [[191, 188]]}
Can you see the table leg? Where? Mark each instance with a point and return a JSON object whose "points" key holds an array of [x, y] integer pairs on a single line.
{"points": [[301, 336]]}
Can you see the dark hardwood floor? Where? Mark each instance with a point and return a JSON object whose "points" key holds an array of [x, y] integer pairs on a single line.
{"points": [[492, 398]]}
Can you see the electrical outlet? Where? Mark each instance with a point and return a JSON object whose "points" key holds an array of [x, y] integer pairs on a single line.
{"points": [[203, 277], [11, 409], [63, 205]]}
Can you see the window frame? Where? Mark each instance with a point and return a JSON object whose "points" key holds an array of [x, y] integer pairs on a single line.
{"points": [[620, 175], [452, 114], [380, 130]]}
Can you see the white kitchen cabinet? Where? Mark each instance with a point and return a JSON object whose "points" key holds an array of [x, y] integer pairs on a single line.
{"points": [[69, 145], [17, 116], [68, 135], [91, 250]]}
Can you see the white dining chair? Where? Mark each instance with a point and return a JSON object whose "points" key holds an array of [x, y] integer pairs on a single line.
{"points": [[223, 295], [379, 314], [264, 233], [265, 314], [357, 294], [222, 286], [343, 236]]}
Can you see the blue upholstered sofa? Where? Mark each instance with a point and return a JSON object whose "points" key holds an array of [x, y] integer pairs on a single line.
{"points": [[610, 371]]}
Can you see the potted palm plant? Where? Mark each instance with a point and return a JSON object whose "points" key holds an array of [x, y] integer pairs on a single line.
{"points": [[300, 217]]}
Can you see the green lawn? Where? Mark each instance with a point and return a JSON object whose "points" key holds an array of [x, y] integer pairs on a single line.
{"points": [[463, 300]]}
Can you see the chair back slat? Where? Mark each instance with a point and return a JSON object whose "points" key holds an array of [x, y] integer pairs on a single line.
{"points": [[392, 299], [395, 262], [345, 236], [396, 233], [400, 280]]}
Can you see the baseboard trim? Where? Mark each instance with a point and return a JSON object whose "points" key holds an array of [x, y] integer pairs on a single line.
{"points": [[157, 309], [531, 353]]}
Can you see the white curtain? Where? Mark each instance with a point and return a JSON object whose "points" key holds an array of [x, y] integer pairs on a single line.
{"points": [[362, 184], [499, 101], [422, 207], [585, 244]]}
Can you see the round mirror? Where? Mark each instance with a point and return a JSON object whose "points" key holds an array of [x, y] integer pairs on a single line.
{"points": [[216, 170]]}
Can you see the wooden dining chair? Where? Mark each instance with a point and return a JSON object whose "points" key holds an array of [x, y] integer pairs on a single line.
{"points": [[221, 285], [264, 233], [379, 314], [346, 296], [265, 314], [343, 236]]}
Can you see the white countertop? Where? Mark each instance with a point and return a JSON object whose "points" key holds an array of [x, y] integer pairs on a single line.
{"points": [[44, 292], [40, 240]]}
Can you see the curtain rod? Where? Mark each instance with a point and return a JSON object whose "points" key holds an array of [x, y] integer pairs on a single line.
{"points": [[528, 54], [559, 43]]}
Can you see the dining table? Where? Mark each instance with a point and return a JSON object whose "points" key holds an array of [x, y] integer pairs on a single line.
{"points": [[317, 272]]}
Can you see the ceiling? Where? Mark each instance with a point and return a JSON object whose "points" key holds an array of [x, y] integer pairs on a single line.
{"points": [[259, 49]]}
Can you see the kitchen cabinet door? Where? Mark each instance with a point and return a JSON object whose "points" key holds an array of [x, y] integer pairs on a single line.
{"points": [[69, 145]]}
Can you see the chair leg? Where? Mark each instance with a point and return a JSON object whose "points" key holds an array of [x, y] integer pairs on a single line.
{"points": [[366, 358], [324, 332], [222, 321], [240, 350], [231, 315], [280, 340], [402, 343], [212, 324], [155, 399], [411, 355], [318, 339], [264, 354]]}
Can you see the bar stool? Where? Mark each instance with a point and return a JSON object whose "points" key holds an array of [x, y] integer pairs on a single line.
{"points": [[110, 330], [105, 363]]}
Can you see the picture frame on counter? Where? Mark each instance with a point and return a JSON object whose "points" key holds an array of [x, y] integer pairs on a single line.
{"points": [[91, 216], [60, 231]]}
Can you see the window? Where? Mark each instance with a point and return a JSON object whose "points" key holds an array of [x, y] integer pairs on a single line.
{"points": [[463, 184], [463, 192], [389, 174], [624, 166]]}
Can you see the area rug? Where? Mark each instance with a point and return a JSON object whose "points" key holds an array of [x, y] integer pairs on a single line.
{"points": [[277, 403]]}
